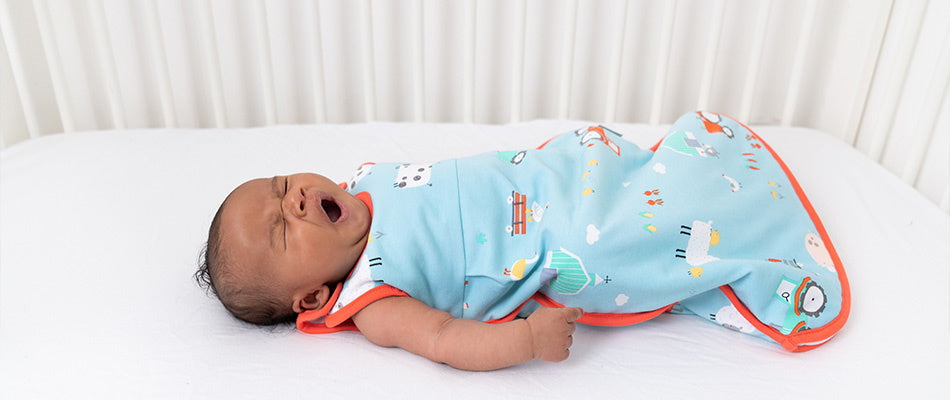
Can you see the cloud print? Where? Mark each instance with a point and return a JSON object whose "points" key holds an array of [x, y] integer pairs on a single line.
{"points": [[659, 168], [621, 299], [593, 235]]}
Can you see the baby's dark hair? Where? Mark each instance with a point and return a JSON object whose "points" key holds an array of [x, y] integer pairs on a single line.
{"points": [[248, 299]]}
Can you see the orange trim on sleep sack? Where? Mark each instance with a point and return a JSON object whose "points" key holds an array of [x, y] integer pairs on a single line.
{"points": [[366, 199], [604, 319], [314, 321], [809, 338], [798, 293], [310, 321], [318, 321], [512, 315], [547, 141], [797, 341], [751, 318], [365, 299]]}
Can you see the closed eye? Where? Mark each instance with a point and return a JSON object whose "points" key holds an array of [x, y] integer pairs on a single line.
{"points": [[286, 185]]}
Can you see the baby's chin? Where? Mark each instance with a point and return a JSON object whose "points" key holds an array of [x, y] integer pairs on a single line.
{"points": [[359, 216]]}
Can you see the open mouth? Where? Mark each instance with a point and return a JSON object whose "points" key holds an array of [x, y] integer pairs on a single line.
{"points": [[331, 209]]}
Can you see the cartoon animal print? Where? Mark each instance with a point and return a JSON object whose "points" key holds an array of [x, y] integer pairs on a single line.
{"points": [[701, 237], [729, 317], [565, 273], [361, 172], [536, 212], [805, 298], [812, 299], [518, 214], [684, 142], [713, 124], [513, 157], [413, 175], [517, 270], [597, 133], [734, 185], [816, 248]]}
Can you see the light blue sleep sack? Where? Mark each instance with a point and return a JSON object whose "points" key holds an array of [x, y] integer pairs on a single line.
{"points": [[710, 223]]}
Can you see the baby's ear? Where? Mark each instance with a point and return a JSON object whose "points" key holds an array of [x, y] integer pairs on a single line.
{"points": [[313, 300]]}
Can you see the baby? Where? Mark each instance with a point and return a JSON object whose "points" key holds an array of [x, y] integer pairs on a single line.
{"points": [[278, 246], [587, 228]]}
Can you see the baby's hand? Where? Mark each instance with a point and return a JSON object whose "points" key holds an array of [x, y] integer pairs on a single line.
{"points": [[551, 330]]}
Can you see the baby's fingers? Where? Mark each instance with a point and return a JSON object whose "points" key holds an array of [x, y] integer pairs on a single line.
{"points": [[572, 313]]}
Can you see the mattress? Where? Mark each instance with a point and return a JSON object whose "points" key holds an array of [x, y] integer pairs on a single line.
{"points": [[101, 233]]}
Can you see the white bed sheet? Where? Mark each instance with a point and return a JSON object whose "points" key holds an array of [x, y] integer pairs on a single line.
{"points": [[101, 231]]}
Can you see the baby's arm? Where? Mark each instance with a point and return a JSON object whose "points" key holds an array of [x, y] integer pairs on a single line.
{"points": [[467, 344]]}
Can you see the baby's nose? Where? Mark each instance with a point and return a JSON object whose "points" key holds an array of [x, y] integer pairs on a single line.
{"points": [[298, 204]]}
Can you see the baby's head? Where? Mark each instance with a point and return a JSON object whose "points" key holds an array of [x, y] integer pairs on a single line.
{"points": [[277, 246]]}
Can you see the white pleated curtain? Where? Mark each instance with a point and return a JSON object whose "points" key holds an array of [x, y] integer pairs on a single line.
{"points": [[873, 73]]}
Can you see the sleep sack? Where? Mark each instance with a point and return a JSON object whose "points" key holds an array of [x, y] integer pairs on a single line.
{"points": [[707, 222]]}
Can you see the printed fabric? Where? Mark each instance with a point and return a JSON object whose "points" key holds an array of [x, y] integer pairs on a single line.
{"points": [[708, 222]]}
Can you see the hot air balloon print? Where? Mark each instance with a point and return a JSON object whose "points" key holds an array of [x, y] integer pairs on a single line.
{"points": [[571, 277]]}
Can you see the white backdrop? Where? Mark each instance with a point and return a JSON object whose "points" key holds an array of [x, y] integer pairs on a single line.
{"points": [[873, 73]]}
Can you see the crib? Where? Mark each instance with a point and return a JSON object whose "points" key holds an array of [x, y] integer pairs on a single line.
{"points": [[125, 123]]}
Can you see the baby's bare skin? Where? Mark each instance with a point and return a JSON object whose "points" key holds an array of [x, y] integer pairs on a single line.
{"points": [[409, 324], [302, 233]]}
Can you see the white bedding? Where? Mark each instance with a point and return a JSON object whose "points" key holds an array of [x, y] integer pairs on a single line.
{"points": [[101, 232]]}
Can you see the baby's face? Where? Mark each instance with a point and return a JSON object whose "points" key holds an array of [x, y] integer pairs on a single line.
{"points": [[299, 231]]}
